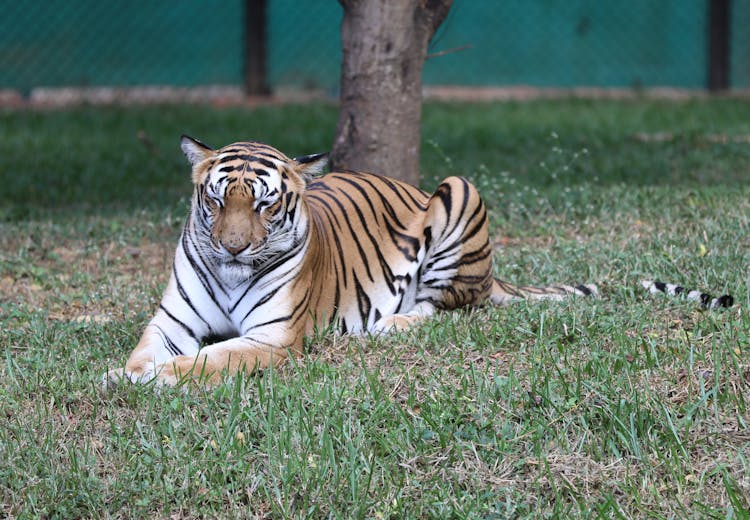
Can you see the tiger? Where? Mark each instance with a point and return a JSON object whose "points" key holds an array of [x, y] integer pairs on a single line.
{"points": [[271, 250]]}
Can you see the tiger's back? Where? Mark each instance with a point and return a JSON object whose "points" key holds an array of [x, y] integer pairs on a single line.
{"points": [[374, 238], [366, 247]]}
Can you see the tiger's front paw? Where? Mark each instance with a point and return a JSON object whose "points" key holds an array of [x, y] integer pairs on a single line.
{"points": [[183, 369], [397, 322], [166, 375], [392, 323], [113, 378]]}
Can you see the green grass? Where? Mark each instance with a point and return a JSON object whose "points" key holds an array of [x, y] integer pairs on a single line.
{"points": [[628, 406]]}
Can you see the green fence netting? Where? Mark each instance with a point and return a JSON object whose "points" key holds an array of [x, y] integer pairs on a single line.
{"points": [[605, 43]]}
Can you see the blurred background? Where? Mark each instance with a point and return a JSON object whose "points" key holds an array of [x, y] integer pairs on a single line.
{"points": [[143, 50]]}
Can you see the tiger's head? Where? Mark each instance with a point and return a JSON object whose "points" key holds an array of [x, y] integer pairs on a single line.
{"points": [[246, 198]]}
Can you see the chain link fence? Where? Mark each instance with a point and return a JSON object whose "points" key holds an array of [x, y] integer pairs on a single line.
{"points": [[193, 46], [133, 42]]}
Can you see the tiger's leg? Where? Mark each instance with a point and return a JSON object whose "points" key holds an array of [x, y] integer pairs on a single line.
{"points": [[176, 329], [236, 355], [151, 361], [457, 268], [461, 243], [162, 340], [457, 265], [259, 345]]}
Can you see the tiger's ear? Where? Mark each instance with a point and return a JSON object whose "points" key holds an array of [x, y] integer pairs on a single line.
{"points": [[311, 165], [194, 150]]}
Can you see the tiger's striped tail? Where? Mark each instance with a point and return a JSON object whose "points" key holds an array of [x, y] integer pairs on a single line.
{"points": [[706, 300], [504, 292]]}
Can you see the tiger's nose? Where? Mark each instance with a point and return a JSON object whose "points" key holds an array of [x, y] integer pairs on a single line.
{"points": [[235, 248]]}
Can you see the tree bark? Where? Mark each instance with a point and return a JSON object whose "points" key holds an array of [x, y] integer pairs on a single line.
{"points": [[384, 46]]}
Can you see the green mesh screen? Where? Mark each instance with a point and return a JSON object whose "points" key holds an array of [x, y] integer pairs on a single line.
{"points": [[607, 43]]}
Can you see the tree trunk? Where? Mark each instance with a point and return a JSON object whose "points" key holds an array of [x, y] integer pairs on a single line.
{"points": [[384, 46]]}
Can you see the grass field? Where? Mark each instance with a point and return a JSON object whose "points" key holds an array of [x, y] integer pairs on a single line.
{"points": [[627, 406]]}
